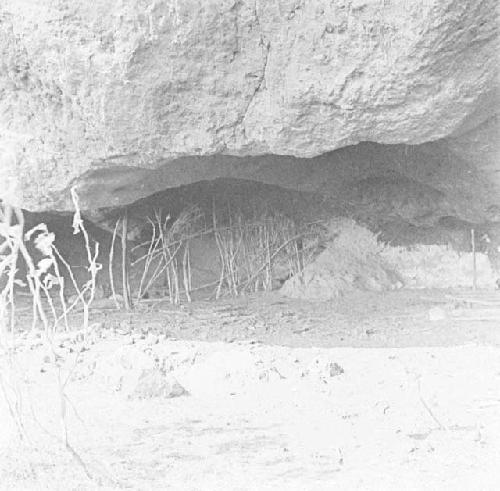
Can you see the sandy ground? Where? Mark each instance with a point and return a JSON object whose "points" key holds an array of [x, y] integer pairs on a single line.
{"points": [[363, 393]]}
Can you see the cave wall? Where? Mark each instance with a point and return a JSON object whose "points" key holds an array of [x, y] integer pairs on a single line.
{"points": [[107, 85]]}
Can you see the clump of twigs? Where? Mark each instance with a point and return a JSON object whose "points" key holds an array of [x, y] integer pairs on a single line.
{"points": [[255, 253], [260, 253], [167, 259]]}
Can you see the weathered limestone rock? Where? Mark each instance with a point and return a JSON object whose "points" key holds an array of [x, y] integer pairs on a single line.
{"points": [[91, 85]]}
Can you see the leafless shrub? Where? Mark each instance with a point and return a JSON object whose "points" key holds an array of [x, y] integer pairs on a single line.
{"points": [[10, 240], [41, 278]]}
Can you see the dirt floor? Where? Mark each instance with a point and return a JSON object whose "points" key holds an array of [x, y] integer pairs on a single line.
{"points": [[375, 391]]}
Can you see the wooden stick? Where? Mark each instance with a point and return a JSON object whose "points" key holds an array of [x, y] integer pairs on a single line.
{"points": [[125, 283], [110, 265], [186, 270]]}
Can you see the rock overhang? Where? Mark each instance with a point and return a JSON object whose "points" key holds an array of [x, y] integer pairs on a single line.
{"points": [[132, 97]]}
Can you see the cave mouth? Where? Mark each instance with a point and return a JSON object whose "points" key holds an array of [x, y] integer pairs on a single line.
{"points": [[229, 237]]}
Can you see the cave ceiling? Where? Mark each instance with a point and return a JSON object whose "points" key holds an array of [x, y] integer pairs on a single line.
{"points": [[121, 101]]}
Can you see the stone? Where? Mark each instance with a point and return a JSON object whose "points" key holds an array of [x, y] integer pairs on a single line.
{"points": [[132, 99], [135, 375], [153, 383]]}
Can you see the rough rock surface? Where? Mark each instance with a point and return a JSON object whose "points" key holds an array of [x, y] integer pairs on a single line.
{"points": [[90, 85]]}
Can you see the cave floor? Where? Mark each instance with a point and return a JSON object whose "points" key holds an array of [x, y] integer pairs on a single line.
{"points": [[370, 391], [400, 318]]}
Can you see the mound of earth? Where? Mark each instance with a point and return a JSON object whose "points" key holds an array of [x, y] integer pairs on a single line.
{"points": [[352, 260]]}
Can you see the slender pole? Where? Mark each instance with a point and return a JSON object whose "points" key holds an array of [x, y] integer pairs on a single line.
{"points": [[474, 264], [125, 282]]}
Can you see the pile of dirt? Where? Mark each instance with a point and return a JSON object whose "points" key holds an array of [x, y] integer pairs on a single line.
{"points": [[352, 260]]}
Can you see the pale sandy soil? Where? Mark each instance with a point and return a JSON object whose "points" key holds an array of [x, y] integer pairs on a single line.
{"points": [[364, 393]]}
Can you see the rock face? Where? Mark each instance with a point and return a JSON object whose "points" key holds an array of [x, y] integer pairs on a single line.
{"points": [[102, 85]]}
